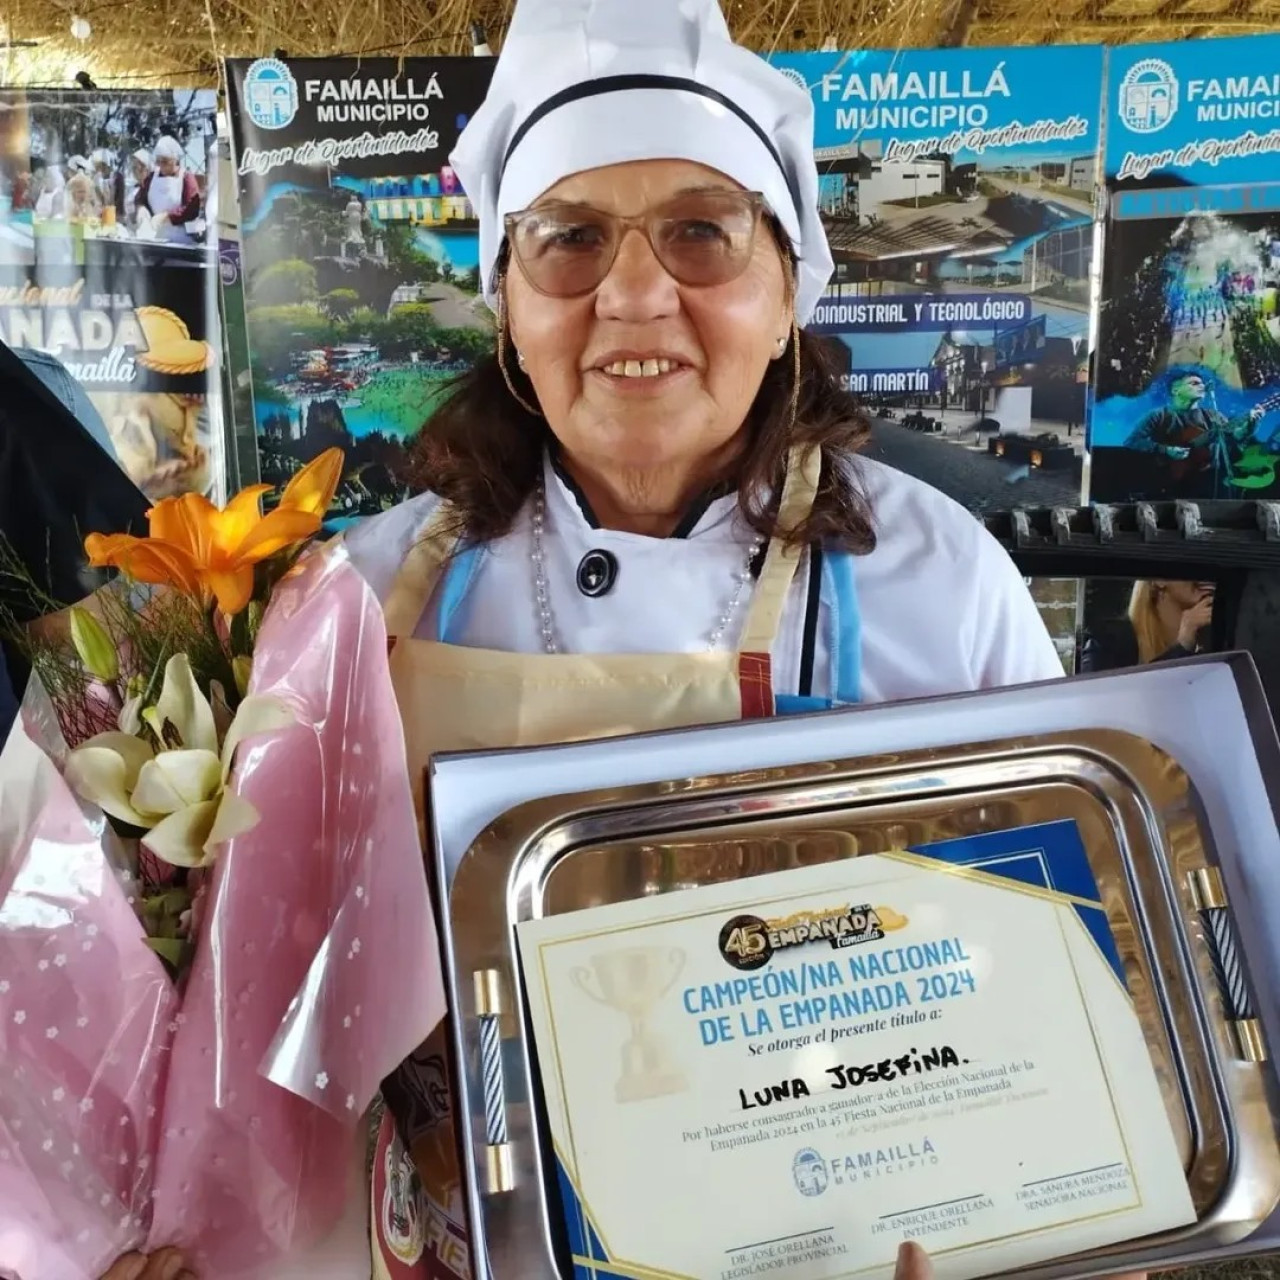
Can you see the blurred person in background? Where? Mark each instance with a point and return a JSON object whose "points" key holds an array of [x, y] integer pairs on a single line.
{"points": [[1166, 621], [170, 193], [106, 178], [54, 489], [131, 180], [82, 198], [51, 203]]}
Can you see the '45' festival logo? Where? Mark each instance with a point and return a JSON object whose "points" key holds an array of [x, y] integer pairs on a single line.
{"points": [[748, 942]]}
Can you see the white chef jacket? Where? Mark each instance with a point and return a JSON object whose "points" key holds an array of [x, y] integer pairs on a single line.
{"points": [[940, 606]]}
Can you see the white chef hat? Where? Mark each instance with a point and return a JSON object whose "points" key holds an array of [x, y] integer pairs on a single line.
{"points": [[169, 149], [581, 84]]}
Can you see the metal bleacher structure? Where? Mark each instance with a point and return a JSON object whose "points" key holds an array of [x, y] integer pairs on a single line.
{"points": [[1234, 544]]}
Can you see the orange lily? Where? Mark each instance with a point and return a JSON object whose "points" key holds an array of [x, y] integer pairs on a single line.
{"points": [[312, 489], [210, 553], [225, 545], [145, 560]]}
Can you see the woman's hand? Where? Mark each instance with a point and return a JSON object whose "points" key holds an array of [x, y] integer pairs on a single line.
{"points": [[166, 1264], [1194, 621], [913, 1263]]}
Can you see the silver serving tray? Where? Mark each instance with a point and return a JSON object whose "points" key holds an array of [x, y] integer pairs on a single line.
{"points": [[1150, 853]]}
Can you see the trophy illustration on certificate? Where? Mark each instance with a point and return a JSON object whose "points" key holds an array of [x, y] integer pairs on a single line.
{"points": [[632, 981]]}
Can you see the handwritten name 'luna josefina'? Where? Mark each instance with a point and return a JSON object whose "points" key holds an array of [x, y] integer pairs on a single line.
{"points": [[850, 1077]]}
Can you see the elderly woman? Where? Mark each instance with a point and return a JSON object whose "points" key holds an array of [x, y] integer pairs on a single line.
{"points": [[170, 192], [646, 508]]}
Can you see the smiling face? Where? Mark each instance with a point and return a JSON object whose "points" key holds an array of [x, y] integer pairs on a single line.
{"points": [[646, 382]]}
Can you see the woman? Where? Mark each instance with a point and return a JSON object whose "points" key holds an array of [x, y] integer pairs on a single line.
{"points": [[1166, 621], [108, 183], [170, 194], [51, 203], [130, 183], [645, 510], [82, 199]]}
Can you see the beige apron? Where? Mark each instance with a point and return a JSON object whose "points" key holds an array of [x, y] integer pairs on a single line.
{"points": [[454, 698]]}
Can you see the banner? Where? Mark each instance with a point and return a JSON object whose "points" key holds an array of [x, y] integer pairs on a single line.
{"points": [[107, 263], [1187, 387], [958, 193], [360, 258]]}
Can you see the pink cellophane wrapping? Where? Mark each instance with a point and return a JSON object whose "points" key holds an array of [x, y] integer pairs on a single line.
{"points": [[223, 1122]]}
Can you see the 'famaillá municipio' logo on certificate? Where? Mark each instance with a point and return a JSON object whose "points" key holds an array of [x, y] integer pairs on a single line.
{"points": [[1148, 96], [810, 1172], [270, 94]]}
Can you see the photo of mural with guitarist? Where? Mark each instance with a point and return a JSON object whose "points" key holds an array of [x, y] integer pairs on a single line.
{"points": [[1187, 361], [1188, 365], [1131, 622]]}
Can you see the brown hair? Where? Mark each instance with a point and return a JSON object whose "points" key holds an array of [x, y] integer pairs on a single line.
{"points": [[482, 450]]}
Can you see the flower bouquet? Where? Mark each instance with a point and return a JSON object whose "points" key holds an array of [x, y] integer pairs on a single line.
{"points": [[215, 933]]}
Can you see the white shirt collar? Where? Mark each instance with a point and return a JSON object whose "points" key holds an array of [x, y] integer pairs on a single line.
{"points": [[568, 509]]}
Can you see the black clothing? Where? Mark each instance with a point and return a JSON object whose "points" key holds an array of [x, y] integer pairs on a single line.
{"points": [[56, 486], [1113, 645], [1213, 441]]}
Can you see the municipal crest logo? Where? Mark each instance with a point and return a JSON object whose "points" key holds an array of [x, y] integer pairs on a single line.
{"points": [[810, 1172], [1148, 96], [270, 94]]}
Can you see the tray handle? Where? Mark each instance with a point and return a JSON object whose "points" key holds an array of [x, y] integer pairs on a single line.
{"points": [[1224, 950], [499, 1167]]}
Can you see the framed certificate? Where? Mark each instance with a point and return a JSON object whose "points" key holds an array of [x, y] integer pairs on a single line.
{"points": [[1009, 997], [792, 1074]]}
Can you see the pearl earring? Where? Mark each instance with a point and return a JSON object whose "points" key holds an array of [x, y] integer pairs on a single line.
{"points": [[520, 358], [782, 344]]}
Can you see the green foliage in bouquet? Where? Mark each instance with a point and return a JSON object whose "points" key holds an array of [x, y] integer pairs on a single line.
{"points": [[149, 679]]}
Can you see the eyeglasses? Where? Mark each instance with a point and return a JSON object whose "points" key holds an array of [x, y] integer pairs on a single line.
{"points": [[701, 238]]}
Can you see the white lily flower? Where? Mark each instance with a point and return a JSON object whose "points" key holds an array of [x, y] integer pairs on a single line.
{"points": [[185, 708], [179, 795], [130, 717]]}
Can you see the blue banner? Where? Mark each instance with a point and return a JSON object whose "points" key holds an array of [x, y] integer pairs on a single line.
{"points": [[1187, 383], [958, 192], [1207, 111], [881, 384], [837, 315]]}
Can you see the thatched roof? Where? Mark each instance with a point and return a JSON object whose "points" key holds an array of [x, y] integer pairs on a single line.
{"points": [[163, 42]]}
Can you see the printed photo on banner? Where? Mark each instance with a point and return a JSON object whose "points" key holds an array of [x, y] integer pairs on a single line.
{"points": [[1187, 383], [360, 259], [958, 193], [87, 175], [107, 267]]}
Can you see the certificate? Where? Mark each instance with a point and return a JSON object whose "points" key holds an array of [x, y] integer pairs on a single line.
{"points": [[789, 1075]]}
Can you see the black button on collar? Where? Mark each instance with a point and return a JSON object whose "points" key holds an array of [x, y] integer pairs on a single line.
{"points": [[597, 572]]}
